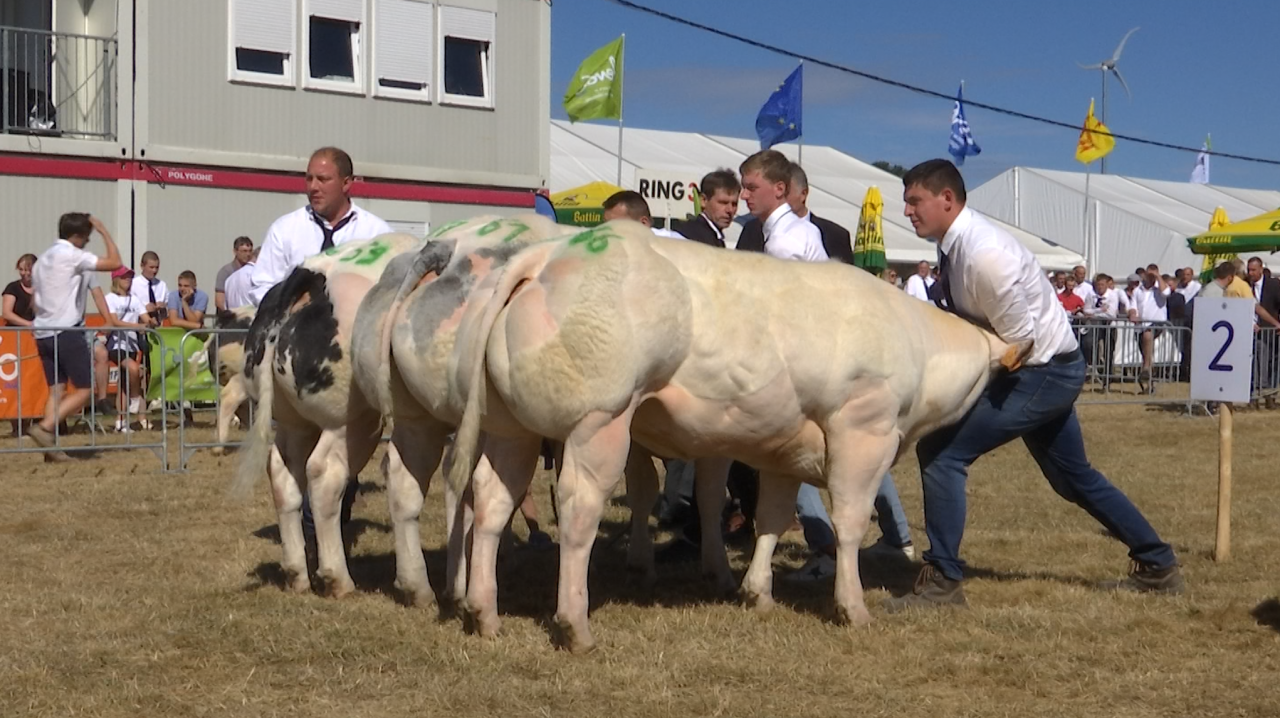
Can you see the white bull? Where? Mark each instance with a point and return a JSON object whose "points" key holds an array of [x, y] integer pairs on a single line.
{"points": [[811, 372], [297, 367]]}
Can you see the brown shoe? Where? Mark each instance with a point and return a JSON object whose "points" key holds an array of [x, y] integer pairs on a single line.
{"points": [[56, 457], [1144, 578], [41, 435], [932, 589]]}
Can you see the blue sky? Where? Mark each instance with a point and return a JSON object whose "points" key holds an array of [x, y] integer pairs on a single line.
{"points": [[1194, 67]]}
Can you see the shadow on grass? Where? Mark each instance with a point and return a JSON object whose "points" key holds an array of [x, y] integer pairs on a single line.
{"points": [[1267, 614], [995, 575]]}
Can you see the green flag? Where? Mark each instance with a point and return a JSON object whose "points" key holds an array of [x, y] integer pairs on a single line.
{"points": [[596, 90]]}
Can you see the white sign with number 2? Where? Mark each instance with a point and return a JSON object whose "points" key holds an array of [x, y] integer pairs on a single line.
{"points": [[1222, 350]]}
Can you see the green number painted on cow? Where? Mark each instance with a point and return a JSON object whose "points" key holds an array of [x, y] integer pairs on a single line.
{"points": [[444, 228], [489, 228], [376, 250], [519, 228], [595, 240]]}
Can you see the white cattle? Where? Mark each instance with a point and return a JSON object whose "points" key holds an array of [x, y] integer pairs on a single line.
{"points": [[230, 370], [811, 372], [297, 367]]}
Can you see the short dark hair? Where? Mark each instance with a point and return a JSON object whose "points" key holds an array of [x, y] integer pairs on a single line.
{"points": [[28, 259], [936, 176], [634, 203], [799, 176], [1255, 259], [772, 164], [149, 256], [721, 180], [1226, 270], [74, 224], [242, 242], [340, 159], [188, 274]]}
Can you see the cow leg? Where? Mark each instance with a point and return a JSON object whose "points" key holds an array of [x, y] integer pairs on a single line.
{"points": [[504, 472], [774, 512], [411, 459], [855, 466], [230, 397], [594, 457], [642, 494], [459, 519], [711, 477], [327, 475], [287, 471]]}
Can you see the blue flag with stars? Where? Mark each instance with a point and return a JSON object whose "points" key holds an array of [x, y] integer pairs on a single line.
{"points": [[779, 119], [961, 144]]}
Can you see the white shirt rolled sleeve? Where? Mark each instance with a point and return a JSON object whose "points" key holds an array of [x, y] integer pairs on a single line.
{"points": [[236, 290]]}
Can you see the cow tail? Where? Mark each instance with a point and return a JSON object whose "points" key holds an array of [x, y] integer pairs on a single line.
{"points": [[524, 266], [257, 452]]}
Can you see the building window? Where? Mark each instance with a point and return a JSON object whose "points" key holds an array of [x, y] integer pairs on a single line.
{"points": [[333, 44], [263, 37], [403, 46], [466, 42]]}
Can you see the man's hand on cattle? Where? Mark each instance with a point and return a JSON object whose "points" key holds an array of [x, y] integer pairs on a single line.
{"points": [[1015, 354]]}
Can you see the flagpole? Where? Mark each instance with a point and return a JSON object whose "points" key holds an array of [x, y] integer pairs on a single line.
{"points": [[800, 151], [1090, 254], [622, 54]]}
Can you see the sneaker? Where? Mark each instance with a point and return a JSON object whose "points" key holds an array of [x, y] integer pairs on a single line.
{"points": [[145, 424], [41, 435], [888, 550], [1144, 578], [932, 590], [819, 567], [123, 427]]}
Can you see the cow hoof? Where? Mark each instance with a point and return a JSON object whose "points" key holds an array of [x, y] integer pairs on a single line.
{"points": [[853, 616], [341, 589], [297, 582], [415, 596], [573, 639], [759, 602], [483, 623]]}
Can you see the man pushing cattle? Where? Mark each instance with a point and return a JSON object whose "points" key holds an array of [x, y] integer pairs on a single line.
{"points": [[990, 279]]}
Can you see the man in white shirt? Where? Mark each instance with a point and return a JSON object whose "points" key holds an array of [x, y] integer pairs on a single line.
{"points": [[1083, 289], [62, 280], [1146, 309], [766, 183], [719, 192], [236, 292], [631, 205], [151, 291], [919, 284], [330, 219], [1187, 284], [994, 281]]}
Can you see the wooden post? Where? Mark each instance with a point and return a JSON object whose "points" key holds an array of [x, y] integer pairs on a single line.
{"points": [[1222, 546]]}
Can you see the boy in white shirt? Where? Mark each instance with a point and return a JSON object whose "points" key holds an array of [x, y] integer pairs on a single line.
{"points": [[122, 346]]}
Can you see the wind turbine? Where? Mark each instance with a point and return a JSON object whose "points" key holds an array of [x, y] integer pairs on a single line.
{"points": [[1110, 66]]}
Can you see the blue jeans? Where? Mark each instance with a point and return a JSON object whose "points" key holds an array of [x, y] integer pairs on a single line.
{"points": [[819, 534], [309, 523], [1036, 404]]}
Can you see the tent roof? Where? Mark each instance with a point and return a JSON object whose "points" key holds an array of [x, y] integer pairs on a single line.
{"points": [[583, 152]]}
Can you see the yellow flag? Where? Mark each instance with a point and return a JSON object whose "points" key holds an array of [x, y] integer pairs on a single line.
{"points": [[1092, 145]]}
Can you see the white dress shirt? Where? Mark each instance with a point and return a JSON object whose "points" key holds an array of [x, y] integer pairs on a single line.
{"points": [[127, 308], [61, 280], [1191, 290], [295, 237], [997, 281], [1149, 304], [138, 289], [667, 233], [235, 291], [918, 287], [787, 236], [1084, 290], [1105, 305]]}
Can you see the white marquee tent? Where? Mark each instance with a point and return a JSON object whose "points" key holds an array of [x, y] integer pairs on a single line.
{"points": [[1136, 221], [582, 153]]}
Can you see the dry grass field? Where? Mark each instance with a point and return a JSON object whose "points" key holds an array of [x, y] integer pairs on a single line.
{"points": [[126, 592]]}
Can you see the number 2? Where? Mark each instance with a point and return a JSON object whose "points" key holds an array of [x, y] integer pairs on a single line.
{"points": [[1231, 334]]}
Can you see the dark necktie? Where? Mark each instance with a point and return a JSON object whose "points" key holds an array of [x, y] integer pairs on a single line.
{"points": [[327, 244], [943, 285]]}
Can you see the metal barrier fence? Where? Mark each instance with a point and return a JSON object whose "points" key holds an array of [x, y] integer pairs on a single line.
{"points": [[1119, 370], [22, 375], [57, 83], [212, 339]]}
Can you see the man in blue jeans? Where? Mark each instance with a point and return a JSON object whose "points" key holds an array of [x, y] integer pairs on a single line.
{"points": [[895, 538], [989, 278]]}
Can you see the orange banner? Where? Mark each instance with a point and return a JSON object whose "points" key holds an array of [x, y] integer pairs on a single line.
{"points": [[20, 365]]}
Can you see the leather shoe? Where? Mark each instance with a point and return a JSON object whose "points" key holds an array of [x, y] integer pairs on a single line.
{"points": [[932, 590]]}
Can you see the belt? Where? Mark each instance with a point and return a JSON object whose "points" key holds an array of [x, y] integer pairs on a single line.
{"points": [[1067, 357]]}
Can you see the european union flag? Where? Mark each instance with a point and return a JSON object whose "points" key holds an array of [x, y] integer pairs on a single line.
{"points": [[779, 119], [961, 143]]}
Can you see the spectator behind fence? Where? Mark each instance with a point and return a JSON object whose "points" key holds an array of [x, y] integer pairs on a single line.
{"points": [[188, 304], [919, 284], [128, 314], [150, 289], [1187, 284], [1266, 292], [243, 249], [719, 193], [1071, 301], [240, 283], [18, 309], [891, 276], [62, 279], [1083, 289]]}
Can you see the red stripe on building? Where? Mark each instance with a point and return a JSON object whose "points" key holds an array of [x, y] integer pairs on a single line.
{"points": [[222, 178]]}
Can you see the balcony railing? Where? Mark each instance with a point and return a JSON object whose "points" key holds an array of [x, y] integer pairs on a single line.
{"points": [[57, 84]]}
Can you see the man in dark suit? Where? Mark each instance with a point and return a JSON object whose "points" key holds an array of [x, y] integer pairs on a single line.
{"points": [[1267, 292], [835, 239], [719, 192]]}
